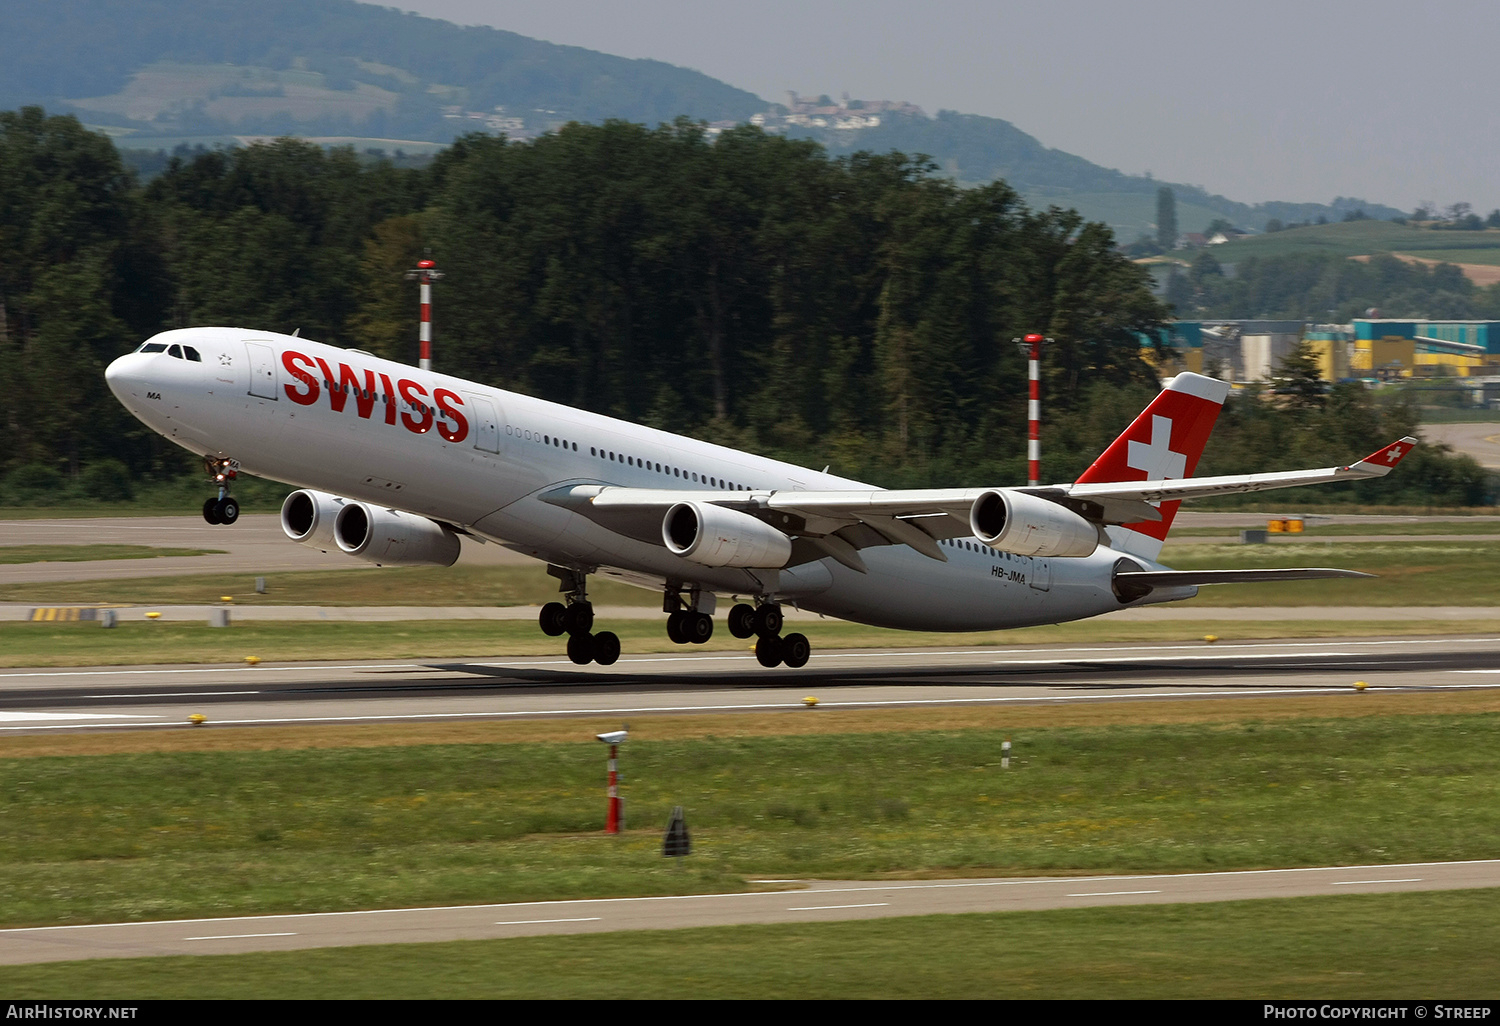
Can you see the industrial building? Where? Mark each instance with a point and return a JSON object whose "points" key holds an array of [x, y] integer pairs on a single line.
{"points": [[1244, 351]]}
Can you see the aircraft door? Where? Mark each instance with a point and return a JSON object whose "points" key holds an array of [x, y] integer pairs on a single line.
{"points": [[262, 370], [486, 423], [1040, 577]]}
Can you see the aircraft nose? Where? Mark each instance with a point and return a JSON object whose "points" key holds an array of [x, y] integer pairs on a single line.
{"points": [[122, 375]]}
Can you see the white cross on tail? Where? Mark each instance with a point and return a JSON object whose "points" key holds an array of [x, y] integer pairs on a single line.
{"points": [[1157, 459]]}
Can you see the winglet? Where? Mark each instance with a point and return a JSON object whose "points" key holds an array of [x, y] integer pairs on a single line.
{"points": [[1382, 462]]}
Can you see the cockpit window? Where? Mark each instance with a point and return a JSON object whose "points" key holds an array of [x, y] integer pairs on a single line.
{"points": [[175, 352], [152, 347], [192, 354]]}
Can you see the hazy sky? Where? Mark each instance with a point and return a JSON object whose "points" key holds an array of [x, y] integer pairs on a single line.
{"points": [[1389, 100]]}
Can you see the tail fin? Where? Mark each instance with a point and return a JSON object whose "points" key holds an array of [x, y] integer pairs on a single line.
{"points": [[1163, 443]]}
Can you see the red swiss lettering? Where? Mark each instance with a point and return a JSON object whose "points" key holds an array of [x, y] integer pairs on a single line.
{"points": [[419, 425], [460, 429], [390, 399], [289, 359]]}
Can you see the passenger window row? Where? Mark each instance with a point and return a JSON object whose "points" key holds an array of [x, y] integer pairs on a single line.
{"points": [[630, 461]]}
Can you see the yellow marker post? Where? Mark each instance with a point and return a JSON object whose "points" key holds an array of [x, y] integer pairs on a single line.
{"points": [[1210, 638], [810, 701], [153, 616], [197, 719], [253, 660]]}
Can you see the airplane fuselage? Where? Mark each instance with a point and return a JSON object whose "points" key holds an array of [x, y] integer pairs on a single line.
{"points": [[482, 460]]}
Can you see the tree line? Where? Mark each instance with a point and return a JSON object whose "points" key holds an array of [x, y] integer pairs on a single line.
{"points": [[854, 311]]}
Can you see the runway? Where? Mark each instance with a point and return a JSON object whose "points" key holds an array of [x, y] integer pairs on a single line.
{"points": [[163, 697], [810, 901]]}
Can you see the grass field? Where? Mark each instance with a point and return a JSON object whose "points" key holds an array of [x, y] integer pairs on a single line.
{"points": [[1436, 573], [1357, 238], [1436, 946], [17, 554], [138, 826], [206, 822]]}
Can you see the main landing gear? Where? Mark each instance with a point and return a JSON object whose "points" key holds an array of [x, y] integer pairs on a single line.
{"points": [[764, 623], [576, 619], [223, 509]]}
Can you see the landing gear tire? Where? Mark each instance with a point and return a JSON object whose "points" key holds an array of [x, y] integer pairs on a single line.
{"points": [[229, 510], [606, 648], [768, 650], [768, 620], [579, 618], [554, 619], [795, 650], [698, 627], [674, 627], [581, 649], [741, 621], [211, 511]]}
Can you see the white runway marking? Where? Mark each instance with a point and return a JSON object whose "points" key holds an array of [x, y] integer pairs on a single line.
{"points": [[239, 936], [1109, 894], [33, 717], [824, 908], [535, 922], [1352, 883]]}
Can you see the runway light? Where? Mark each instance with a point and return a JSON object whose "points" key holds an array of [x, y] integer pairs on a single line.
{"points": [[253, 660], [226, 598], [153, 616], [1210, 638], [197, 719], [1360, 685], [811, 701]]}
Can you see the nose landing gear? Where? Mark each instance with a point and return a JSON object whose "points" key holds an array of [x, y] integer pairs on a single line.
{"points": [[222, 509]]}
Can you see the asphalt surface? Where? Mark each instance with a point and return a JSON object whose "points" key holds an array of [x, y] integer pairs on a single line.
{"points": [[811, 901], [163, 697]]}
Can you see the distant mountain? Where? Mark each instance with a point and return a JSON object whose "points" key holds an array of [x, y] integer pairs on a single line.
{"points": [[158, 73], [323, 67], [979, 149]]}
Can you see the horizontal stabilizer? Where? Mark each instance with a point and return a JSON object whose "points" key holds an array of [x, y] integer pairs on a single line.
{"points": [[1194, 578]]}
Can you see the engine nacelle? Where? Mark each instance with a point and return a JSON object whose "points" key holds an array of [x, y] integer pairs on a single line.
{"points": [[383, 536], [1026, 525], [307, 517], [715, 536]]}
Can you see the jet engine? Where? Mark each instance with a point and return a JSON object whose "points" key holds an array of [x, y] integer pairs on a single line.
{"points": [[1026, 525], [307, 517], [385, 537], [715, 536]]}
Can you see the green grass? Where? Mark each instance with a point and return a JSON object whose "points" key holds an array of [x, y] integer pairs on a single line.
{"points": [[141, 642], [1314, 532], [1357, 238], [1411, 573], [11, 554], [461, 585], [181, 833], [1437, 573], [1432, 946]]}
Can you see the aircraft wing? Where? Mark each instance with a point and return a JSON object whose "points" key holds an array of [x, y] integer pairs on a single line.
{"points": [[1377, 464], [838, 523]]}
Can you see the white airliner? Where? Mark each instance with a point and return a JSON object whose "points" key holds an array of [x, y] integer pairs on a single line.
{"points": [[393, 464]]}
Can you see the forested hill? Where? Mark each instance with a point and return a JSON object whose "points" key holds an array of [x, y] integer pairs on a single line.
{"points": [[405, 67]]}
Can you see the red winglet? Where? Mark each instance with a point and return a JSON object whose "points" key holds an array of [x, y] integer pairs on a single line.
{"points": [[1384, 459]]}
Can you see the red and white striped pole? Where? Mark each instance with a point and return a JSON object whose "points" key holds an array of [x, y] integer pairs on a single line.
{"points": [[1033, 346], [425, 273], [612, 821], [614, 739]]}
